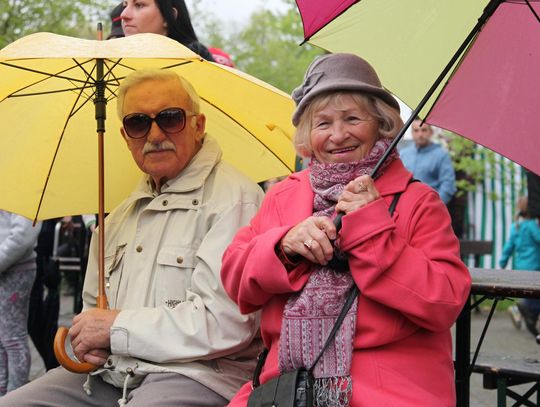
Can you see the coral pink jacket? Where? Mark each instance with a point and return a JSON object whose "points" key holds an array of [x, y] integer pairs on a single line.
{"points": [[412, 282]]}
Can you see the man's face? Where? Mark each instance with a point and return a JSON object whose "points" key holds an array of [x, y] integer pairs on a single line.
{"points": [[421, 134], [162, 155]]}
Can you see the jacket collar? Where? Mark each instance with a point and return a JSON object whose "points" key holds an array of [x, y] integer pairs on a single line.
{"points": [[394, 179]]}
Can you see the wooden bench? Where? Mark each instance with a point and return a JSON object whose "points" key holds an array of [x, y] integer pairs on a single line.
{"points": [[475, 248], [502, 372], [493, 284]]}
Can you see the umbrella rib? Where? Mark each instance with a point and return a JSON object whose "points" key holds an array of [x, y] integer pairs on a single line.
{"points": [[178, 64], [47, 74], [13, 95], [115, 81], [533, 10], [324, 25], [252, 134], [70, 115]]}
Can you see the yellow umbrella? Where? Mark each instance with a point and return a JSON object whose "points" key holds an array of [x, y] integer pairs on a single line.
{"points": [[55, 89], [48, 152]]}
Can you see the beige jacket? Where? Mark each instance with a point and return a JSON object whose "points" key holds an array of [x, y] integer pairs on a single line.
{"points": [[162, 269]]}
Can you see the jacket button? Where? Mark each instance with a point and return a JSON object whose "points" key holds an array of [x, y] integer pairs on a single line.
{"points": [[165, 202], [195, 202], [139, 249], [107, 285], [109, 362], [179, 259]]}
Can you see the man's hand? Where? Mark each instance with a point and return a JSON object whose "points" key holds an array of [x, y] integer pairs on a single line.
{"points": [[90, 335]]}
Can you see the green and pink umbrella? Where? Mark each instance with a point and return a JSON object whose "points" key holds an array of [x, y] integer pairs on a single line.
{"points": [[470, 66]]}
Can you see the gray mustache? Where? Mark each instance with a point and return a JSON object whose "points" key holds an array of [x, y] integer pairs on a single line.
{"points": [[165, 145]]}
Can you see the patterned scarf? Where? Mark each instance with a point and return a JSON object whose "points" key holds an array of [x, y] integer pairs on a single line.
{"points": [[310, 315]]}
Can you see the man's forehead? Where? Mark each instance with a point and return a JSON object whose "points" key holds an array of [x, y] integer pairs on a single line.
{"points": [[419, 126], [156, 92]]}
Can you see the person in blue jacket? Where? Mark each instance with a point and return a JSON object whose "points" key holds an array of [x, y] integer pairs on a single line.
{"points": [[429, 162], [524, 246]]}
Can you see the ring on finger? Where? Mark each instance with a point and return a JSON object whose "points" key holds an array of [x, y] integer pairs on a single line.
{"points": [[308, 243], [362, 187]]}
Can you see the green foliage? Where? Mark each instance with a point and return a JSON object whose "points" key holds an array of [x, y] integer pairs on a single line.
{"points": [[22, 17], [474, 163], [267, 47]]}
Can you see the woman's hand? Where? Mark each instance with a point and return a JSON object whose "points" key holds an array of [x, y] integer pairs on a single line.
{"points": [[357, 193], [312, 239]]}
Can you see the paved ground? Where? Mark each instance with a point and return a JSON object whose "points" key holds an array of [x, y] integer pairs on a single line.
{"points": [[502, 338]]}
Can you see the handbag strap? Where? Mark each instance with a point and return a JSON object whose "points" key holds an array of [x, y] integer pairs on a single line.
{"points": [[257, 372], [353, 292]]}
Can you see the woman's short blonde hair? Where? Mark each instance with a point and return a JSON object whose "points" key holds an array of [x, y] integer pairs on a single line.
{"points": [[389, 120]]}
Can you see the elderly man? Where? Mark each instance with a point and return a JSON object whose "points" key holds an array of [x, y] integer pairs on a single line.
{"points": [[171, 335], [429, 162]]}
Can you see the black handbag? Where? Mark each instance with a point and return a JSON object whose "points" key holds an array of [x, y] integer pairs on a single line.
{"points": [[295, 388], [289, 389]]}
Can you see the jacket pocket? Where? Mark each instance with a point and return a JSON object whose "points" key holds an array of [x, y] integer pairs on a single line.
{"points": [[113, 273], [174, 271]]}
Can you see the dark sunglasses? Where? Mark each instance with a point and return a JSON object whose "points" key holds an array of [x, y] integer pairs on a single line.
{"points": [[171, 120]]}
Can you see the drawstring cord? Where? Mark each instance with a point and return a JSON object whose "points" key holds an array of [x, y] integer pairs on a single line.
{"points": [[87, 385], [129, 374]]}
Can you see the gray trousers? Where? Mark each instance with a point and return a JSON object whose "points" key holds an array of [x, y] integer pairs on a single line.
{"points": [[15, 286], [60, 388]]}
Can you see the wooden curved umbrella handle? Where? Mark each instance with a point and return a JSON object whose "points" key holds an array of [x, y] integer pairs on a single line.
{"points": [[64, 359], [59, 346]]}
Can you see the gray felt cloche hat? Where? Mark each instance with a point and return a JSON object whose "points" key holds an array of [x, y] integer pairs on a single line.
{"points": [[338, 72]]}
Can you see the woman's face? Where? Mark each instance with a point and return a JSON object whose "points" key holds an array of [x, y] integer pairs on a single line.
{"points": [[342, 132], [142, 16]]}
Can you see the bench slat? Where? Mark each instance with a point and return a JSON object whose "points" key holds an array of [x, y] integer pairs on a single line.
{"points": [[508, 366]]}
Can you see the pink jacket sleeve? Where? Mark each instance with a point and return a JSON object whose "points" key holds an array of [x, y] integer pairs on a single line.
{"points": [[251, 271], [410, 263]]}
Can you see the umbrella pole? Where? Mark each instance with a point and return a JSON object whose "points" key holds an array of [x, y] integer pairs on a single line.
{"points": [[100, 103], [101, 300], [487, 13], [101, 114]]}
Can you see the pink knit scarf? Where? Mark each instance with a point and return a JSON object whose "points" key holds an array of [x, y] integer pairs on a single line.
{"points": [[310, 315]]}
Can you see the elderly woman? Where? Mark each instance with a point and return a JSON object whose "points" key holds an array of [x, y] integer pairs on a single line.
{"points": [[394, 347]]}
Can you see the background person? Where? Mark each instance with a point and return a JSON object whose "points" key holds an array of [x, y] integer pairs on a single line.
{"points": [[116, 22], [17, 272], [524, 246], [394, 347], [221, 57], [45, 296], [165, 17], [429, 162], [171, 335], [533, 192]]}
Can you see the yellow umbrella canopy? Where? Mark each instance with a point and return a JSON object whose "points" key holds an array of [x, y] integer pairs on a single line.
{"points": [[48, 148]]}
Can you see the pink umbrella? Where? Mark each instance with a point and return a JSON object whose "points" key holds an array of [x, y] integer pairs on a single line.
{"points": [[492, 99], [317, 13], [489, 90]]}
